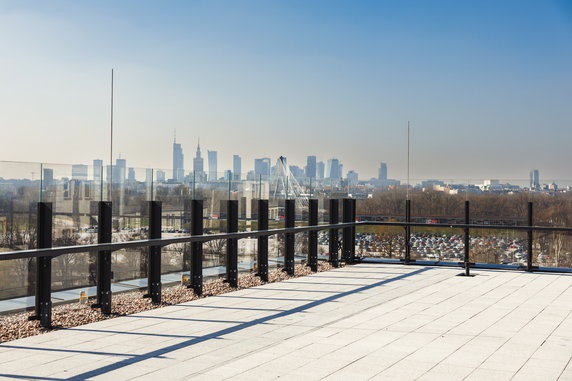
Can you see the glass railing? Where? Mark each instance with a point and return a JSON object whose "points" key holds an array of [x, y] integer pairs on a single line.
{"points": [[74, 191]]}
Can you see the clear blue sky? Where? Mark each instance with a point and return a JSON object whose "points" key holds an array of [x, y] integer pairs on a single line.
{"points": [[487, 85]]}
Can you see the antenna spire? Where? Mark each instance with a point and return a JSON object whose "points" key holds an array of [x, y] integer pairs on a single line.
{"points": [[111, 142], [408, 155]]}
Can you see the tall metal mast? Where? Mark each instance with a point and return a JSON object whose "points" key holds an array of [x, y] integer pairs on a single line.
{"points": [[111, 143]]}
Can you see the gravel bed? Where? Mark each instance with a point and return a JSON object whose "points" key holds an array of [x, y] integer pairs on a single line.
{"points": [[17, 326]]}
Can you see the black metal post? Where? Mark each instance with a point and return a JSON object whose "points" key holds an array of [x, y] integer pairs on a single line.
{"points": [[313, 235], [333, 246], [154, 273], [467, 241], [353, 219], [290, 219], [104, 275], [529, 253], [407, 232], [263, 240], [197, 247], [43, 306], [232, 244], [347, 232]]}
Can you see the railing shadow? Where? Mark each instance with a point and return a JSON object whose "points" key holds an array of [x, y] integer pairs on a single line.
{"points": [[159, 353]]}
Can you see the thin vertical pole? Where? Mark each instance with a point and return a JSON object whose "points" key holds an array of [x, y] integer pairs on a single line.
{"points": [[408, 158], [41, 180], [152, 183], [530, 242], [194, 185], [101, 184], [263, 240], [290, 210], [111, 143], [313, 235], [232, 244], [333, 233]]}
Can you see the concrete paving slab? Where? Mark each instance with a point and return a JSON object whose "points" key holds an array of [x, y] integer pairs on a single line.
{"points": [[361, 322]]}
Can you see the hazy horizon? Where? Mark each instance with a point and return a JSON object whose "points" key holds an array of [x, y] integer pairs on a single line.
{"points": [[486, 85]]}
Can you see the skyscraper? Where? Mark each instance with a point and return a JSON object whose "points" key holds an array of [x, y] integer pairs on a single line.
{"points": [[320, 169], [534, 179], [212, 156], [296, 171], [119, 171], [333, 169], [97, 170], [262, 168], [131, 174], [352, 178], [198, 161], [178, 162], [311, 166], [382, 172], [236, 167]]}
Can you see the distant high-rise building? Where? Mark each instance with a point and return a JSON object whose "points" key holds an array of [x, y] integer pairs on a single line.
{"points": [[48, 178], [119, 171], [149, 176], [236, 167], [212, 156], [131, 174], [178, 162], [311, 166], [79, 172], [333, 169], [198, 166], [320, 170], [160, 176], [296, 171], [97, 170], [382, 172], [534, 179], [262, 167], [352, 178], [228, 175]]}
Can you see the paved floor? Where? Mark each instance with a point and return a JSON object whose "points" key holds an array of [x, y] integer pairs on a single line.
{"points": [[360, 322]]}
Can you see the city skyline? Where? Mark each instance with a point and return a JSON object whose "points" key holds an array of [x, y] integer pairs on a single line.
{"points": [[485, 85]]}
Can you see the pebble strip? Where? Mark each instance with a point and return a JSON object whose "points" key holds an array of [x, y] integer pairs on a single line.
{"points": [[17, 326]]}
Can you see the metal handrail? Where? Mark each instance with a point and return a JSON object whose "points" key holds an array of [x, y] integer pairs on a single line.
{"points": [[56, 251], [473, 226]]}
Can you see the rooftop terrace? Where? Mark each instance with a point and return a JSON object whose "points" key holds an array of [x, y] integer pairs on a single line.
{"points": [[365, 321]]}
